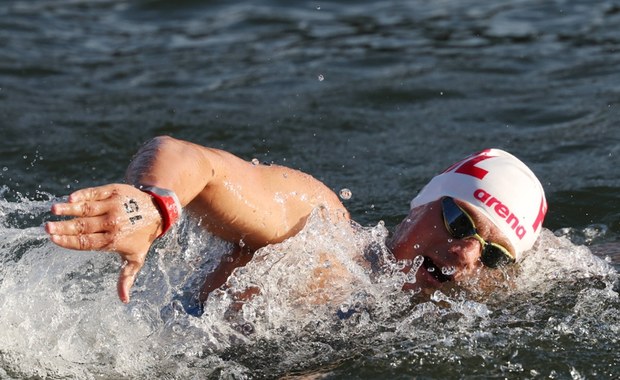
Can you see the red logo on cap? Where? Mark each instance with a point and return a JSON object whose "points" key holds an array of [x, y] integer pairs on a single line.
{"points": [[468, 165]]}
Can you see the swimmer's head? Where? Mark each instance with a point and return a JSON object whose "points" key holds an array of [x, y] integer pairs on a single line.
{"points": [[501, 187]]}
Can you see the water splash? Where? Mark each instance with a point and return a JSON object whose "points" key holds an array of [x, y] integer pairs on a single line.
{"points": [[345, 194], [448, 271], [325, 295], [587, 235]]}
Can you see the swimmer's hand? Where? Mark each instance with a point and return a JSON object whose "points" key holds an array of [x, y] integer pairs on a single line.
{"points": [[116, 218]]}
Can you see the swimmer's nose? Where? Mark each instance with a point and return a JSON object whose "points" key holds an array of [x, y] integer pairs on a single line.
{"points": [[465, 252]]}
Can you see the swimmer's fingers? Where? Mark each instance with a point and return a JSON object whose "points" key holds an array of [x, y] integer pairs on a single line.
{"points": [[83, 242], [91, 217], [91, 201], [127, 277], [81, 226], [81, 208], [95, 193]]}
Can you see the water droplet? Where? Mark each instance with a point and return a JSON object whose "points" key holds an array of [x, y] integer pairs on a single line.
{"points": [[418, 261], [402, 264], [255, 161], [430, 269], [416, 246], [438, 296], [318, 7], [247, 329], [5, 169], [448, 271], [321, 78], [449, 240], [241, 243], [345, 193]]}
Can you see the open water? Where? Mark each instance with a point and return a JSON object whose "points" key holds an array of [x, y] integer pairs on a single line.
{"points": [[371, 96]]}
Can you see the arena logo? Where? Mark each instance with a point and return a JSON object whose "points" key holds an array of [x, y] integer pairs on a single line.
{"points": [[501, 210]]}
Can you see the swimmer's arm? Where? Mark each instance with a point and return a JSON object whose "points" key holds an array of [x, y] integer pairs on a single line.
{"points": [[236, 200]]}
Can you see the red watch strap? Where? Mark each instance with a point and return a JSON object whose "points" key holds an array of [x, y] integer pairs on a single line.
{"points": [[168, 203]]}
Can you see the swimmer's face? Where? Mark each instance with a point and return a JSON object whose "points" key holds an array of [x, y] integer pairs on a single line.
{"points": [[446, 259]]}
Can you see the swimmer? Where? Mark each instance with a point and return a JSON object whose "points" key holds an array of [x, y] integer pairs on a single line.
{"points": [[481, 213]]}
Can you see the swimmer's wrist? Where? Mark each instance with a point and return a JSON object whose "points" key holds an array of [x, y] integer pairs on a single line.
{"points": [[168, 204]]}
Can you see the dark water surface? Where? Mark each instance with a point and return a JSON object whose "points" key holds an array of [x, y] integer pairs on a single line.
{"points": [[374, 96]]}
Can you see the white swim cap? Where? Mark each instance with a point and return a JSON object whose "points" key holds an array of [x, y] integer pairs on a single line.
{"points": [[502, 187]]}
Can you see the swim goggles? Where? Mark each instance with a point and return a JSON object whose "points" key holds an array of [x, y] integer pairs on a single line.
{"points": [[461, 226]]}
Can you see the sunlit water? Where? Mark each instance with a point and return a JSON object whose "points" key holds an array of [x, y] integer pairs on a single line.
{"points": [[322, 308]]}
